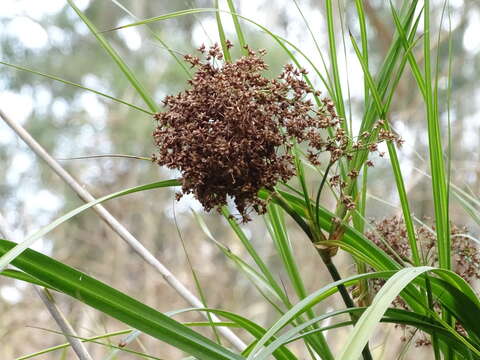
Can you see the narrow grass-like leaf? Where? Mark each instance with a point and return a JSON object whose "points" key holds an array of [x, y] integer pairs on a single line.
{"points": [[20, 275], [116, 304], [465, 309], [171, 15], [362, 199], [447, 335], [412, 40], [402, 193], [196, 279], [253, 328], [67, 345], [467, 206], [341, 17], [312, 35], [238, 27], [396, 316], [107, 345], [364, 329], [117, 59], [221, 34], [449, 101], [325, 79], [278, 39], [407, 45], [99, 156], [384, 76], [278, 233], [56, 78], [19, 248], [359, 217], [303, 182], [287, 336], [262, 284], [254, 255], [307, 303], [338, 96], [469, 203], [359, 224], [437, 166], [363, 33], [159, 39]]}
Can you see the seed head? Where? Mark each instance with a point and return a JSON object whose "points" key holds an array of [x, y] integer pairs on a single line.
{"points": [[230, 133], [465, 255]]}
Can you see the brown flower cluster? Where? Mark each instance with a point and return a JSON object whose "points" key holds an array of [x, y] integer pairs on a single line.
{"points": [[465, 255], [230, 133], [341, 146]]}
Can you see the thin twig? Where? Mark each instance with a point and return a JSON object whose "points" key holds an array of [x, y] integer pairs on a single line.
{"points": [[77, 346], [96, 156], [116, 226]]}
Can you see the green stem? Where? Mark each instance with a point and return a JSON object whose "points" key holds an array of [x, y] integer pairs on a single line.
{"points": [[435, 345], [332, 269], [326, 258], [322, 184]]}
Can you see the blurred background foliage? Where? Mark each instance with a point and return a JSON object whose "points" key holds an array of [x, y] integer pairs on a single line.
{"points": [[69, 122]]}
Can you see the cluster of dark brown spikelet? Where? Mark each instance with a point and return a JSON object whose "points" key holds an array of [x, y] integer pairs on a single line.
{"points": [[230, 133], [392, 231]]}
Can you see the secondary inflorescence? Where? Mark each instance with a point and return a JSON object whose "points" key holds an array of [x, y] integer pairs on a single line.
{"points": [[390, 235]]}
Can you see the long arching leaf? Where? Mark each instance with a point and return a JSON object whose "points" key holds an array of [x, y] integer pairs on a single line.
{"points": [[19, 248], [116, 304]]}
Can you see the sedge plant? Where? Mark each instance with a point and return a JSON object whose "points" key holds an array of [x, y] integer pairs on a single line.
{"points": [[275, 147]]}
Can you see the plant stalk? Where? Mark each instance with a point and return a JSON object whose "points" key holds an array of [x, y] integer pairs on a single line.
{"points": [[332, 269], [326, 257], [77, 346]]}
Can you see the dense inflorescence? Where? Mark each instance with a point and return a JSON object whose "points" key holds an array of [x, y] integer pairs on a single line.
{"points": [[390, 235], [230, 133], [465, 255], [225, 132]]}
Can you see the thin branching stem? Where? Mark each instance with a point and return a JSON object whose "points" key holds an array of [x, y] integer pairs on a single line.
{"points": [[320, 189]]}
